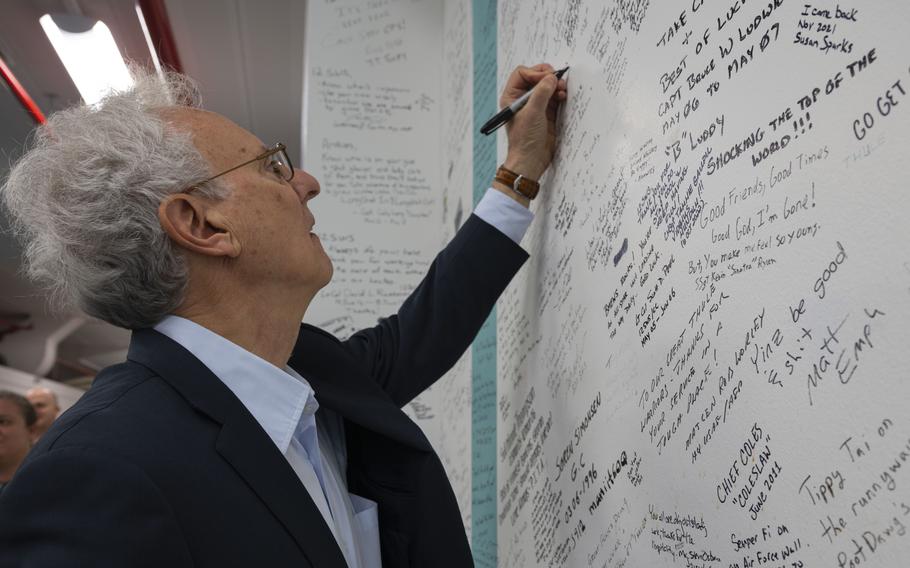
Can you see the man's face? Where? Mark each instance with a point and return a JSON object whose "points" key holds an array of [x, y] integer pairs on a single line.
{"points": [[15, 436], [270, 217], [45, 407]]}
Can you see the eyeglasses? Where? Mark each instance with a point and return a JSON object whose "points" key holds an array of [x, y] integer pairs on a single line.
{"points": [[278, 161]]}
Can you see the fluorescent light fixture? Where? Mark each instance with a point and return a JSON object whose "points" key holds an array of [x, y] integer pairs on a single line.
{"points": [[89, 54], [148, 40]]}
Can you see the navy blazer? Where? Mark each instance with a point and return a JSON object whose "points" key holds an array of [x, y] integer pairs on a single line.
{"points": [[159, 464]]}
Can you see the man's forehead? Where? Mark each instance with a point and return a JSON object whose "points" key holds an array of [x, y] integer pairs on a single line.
{"points": [[215, 135]]}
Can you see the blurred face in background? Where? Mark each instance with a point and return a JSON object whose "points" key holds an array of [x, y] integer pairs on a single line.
{"points": [[15, 437], [46, 407]]}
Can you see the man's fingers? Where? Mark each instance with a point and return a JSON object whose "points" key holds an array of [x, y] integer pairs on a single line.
{"points": [[524, 78], [542, 94], [539, 71], [516, 80], [530, 76], [557, 99]]}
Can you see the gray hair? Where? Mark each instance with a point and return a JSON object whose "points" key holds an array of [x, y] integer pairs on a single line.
{"points": [[84, 201]]}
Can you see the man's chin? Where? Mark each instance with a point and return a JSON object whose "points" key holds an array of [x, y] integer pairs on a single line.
{"points": [[329, 272]]}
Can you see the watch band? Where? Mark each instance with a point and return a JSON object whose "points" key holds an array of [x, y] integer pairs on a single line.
{"points": [[519, 183]]}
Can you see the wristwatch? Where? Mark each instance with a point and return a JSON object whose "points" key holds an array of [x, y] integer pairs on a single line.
{"points": [[521, 185]]}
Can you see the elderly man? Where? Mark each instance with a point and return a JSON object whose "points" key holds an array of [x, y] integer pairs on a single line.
{"points": [[232, 435], [44, 401], [17, 427]]}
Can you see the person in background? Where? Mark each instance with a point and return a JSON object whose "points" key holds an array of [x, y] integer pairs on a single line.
{"points": [[17, 427], [44, 401]]}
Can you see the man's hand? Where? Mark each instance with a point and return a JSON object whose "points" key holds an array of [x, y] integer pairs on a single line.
{"points": [[532, 131]]}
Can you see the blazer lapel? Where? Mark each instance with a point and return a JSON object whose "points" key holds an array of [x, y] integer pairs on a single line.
{"points": [[342, 388], [243, 443]]}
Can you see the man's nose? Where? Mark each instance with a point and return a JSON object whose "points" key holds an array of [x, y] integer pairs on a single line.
{"points": [[306, 185]]}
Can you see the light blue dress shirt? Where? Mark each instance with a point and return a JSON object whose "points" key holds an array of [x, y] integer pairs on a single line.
{"points": [[284, 404], [504, 213]]}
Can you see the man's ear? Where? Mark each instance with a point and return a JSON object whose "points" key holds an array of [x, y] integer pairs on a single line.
{"points": [[194, 224]]}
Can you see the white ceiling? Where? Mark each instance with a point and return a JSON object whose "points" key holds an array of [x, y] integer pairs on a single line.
{"points": [[246, 56]]}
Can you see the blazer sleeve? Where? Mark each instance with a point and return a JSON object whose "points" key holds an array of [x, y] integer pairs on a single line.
{"points": [[75, 507], [408, 352]]}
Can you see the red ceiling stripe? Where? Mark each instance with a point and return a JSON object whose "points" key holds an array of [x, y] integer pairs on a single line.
{"points": [[159, 27], [21, 93]]}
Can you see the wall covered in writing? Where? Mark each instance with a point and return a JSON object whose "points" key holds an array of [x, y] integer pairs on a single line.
{"points": [[386, 134], [704, 363]]}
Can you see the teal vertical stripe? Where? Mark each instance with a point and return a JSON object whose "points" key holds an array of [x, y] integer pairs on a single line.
{"points": [[483, 379]]}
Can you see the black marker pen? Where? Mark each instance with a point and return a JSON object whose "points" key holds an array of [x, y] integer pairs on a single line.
{"points": [[506, 114]]}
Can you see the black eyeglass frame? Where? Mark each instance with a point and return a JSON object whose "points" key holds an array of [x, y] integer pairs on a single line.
{"points": [[278, 148]]}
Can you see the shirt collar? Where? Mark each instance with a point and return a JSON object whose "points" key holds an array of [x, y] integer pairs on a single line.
{"points": [[277, 398]]}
